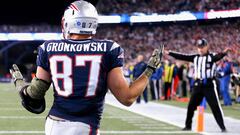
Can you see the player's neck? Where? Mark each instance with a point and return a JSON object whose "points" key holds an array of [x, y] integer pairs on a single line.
{"points": [[79, 37]]}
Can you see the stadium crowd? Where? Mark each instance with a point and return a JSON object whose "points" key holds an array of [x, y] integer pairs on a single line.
{"points": [[174, 79], [142, 39], [29, 28], [164, 6]]}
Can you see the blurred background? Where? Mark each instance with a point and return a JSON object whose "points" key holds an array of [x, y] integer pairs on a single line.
{"points": [[138, 26]]}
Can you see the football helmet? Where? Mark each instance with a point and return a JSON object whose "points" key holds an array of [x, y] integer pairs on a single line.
{"points": [[202, 42], [80, 17]]}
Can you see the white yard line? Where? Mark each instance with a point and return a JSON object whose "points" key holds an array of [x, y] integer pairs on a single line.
{"points": [[145, 132], [122, 117], [8, 103], [22, 117], [15, 109], [104, 132], [12, 109], [21, 132]]}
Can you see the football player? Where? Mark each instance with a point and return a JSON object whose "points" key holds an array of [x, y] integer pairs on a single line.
{"points": [[81, 70]]}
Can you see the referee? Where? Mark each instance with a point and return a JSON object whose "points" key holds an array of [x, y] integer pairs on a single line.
{"points": [[204, 84]]}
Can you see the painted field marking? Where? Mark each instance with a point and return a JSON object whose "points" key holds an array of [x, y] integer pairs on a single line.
{"points": [[11, 109], [145, 132], [8, 103], [140, 122], [21, 132], [122, 117], [15, 109], [105, 132], [22, 117]]}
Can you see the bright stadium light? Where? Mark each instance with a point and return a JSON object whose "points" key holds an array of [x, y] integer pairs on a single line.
{"points": [[20, 36], [125, 18], [3, 37], [47, 36], [183, 16], [222, 14], [109, 19]]}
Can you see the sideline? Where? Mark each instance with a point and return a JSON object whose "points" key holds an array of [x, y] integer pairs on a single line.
{"points": [[176, 116], [103, 132]]}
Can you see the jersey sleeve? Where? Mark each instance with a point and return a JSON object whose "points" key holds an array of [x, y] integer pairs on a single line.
{"points": [[218, 56], [116, 56], [181, 56], [42, 58]]}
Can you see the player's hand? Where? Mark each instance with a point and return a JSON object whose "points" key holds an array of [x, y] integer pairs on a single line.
{"points": [[153, 63], [17, 77], [33, 105], [166, 52], [226, 50], [154, 60]]}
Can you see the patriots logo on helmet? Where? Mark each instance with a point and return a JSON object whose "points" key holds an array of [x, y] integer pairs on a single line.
{"points": [[81, 17], [121, 56]]}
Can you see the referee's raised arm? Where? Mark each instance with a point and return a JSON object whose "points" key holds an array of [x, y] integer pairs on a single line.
{"points": [[219, 56], [181, 56]]}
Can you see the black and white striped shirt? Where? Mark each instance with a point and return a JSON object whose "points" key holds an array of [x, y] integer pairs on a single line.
{"points": [[204, 66]]}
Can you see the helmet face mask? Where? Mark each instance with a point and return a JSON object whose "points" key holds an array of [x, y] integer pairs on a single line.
{"points": [[80, 17]]}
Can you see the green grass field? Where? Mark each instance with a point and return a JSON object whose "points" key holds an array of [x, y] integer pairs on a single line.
{"points": [[230, 111], [14, 119]]}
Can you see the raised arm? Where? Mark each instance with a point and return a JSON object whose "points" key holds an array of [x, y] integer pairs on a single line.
{"points": [[32, 94], [125, 93], [181, 56], [219, 56]]}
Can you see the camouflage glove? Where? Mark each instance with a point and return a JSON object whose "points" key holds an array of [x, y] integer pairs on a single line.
{"points": [[153, 63], [18, 78]]}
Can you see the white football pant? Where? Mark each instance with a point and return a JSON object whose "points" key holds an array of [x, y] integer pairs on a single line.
{"points": [[54, 127]]}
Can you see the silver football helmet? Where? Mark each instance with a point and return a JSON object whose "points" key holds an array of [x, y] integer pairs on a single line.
{"points": [[80, 17]]}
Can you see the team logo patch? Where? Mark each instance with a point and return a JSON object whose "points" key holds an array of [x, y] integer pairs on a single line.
{"points": [[208, 65], [121, 56]]}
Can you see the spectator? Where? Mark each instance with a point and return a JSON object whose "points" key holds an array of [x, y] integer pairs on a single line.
{"points": [[164, 6], [224, 78], [137, 71], [168, 78], [155, 84]]}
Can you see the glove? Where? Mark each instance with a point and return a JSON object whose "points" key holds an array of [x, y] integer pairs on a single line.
{"points": [[32, 105], [153, 63], [154, 60], [18, 78]]}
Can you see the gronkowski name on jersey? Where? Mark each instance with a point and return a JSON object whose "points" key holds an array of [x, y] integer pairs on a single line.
{"points": [[79, 71]]}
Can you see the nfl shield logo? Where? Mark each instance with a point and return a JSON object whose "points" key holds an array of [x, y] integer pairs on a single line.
{"points": [[208, 65]]}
